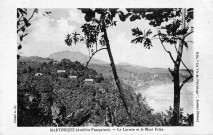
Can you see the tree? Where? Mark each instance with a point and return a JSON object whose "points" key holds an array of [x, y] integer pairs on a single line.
{"points": [[173, 26], [24, 20], [96, 39]]}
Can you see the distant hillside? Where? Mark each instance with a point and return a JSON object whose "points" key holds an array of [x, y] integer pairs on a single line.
{"points": [[35, 59], [138, 76], [134, 75], [74, 56], [127, 70], [130, 65], [124, 63]]}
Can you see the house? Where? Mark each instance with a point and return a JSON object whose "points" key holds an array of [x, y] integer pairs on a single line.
{"points": [[38, 74], [55, 62], [88, 81], [155, 76], [61, 71], [101, 90], [72, 77], [149, 112], [30, 97], [139, 84]]}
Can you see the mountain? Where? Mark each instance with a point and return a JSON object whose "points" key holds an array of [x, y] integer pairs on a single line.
{"points": [[74, 56], [124, 63]]}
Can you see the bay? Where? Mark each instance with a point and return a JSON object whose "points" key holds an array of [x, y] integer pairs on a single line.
{"points": [[161, 97]]}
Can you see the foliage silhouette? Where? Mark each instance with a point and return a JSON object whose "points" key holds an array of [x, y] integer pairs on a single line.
{"points": [[95, 34], [173, 26], [24, 19]]}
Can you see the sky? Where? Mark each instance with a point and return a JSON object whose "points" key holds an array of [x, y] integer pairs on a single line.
{"points": [[47, 35]]}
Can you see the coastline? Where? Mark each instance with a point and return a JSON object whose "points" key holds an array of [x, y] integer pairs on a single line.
{"points": [[160, 97]]}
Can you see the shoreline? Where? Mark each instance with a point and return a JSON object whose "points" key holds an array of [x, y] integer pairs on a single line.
{"points": [[160, 97]]}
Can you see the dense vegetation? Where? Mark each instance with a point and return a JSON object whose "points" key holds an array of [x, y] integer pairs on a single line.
{"points": [[140, 77], [49, 98]]}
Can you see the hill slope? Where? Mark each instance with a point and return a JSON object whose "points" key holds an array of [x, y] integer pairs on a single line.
{"points": [[74, 56], [34, 59]]}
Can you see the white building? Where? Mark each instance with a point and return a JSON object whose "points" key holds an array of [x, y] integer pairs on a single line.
{"points": [[38, 74], [139, 84], [61, 71], [72, 77], [88, 81]]}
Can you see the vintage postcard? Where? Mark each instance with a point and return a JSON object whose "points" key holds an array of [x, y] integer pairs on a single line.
{"points": [[109, 67]]}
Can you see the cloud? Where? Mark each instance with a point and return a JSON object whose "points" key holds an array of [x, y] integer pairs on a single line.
{"points": [[46, 34], [64, 27], [76, 16]]}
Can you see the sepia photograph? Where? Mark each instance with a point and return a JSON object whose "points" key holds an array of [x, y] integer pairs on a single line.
{"points": [[105, 67]]}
